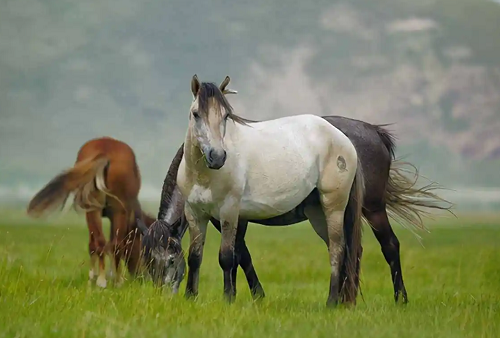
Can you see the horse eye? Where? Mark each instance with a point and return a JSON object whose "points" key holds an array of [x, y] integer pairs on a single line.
{"points": [[196, 115], [226, 117]]}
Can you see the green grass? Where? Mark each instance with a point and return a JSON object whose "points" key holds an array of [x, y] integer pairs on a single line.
{"points": [[453, 282]]}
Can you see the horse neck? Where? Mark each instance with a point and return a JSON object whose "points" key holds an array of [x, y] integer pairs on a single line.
{"points": [[147, 218], [139, 212], [175, 208]]}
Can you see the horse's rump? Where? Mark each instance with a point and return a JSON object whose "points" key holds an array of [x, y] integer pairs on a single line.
{"points": [[86, 179]]}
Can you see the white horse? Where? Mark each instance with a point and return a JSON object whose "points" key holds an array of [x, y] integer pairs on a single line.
{"points": [[234, 167]]}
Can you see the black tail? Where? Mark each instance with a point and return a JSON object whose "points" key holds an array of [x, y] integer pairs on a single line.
{"points": [[351, 264], [407, 203]]}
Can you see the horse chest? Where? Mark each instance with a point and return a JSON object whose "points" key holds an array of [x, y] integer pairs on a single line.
{"points": [[202, 198], [200, 195]]}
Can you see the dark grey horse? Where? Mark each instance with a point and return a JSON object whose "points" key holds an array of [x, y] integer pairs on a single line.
{"points": [[387, 191]]}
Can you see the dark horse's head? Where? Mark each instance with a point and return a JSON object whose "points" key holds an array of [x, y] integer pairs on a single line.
{"points": [[163, 255]]}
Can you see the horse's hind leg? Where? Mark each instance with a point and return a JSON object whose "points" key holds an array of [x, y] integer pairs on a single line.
{"points": [[97, 247], [93, 271], [389, 244], [133, 253], [246, 264], [118, 243], [94, 267], [244, 259], [330, 229]]}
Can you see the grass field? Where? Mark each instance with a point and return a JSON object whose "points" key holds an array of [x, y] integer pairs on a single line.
{"points": [[453, 281]]}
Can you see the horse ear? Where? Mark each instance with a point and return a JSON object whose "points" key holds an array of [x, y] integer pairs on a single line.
{"points": [[142, 227], [223, 86], [195, 85]]}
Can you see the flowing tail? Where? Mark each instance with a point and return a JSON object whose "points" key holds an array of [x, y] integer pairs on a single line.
{"points": [[406, 203], [86, 179], [349, 272]]}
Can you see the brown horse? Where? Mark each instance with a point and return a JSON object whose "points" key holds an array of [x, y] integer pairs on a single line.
{"points": [[106, 182]]}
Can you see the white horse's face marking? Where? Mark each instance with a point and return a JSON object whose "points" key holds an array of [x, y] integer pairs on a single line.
{"points": [[208, 129]]}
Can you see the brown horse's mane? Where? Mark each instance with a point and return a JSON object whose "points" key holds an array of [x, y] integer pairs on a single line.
{"points": [[211, 90]]}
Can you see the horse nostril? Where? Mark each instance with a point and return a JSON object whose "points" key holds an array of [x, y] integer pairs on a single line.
{"points": [[224, 156], [210, 155]]}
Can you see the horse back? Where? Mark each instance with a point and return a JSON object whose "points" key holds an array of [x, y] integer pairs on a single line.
{"points": [[122, 176]]}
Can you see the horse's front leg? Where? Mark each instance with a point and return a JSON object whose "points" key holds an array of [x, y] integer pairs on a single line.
{"points": [[227, 258], [197, 233]]}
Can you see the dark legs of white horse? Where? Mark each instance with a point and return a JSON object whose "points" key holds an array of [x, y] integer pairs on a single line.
{"points": [[227, 254], [334, 239], [229, 264], [197, 235]]}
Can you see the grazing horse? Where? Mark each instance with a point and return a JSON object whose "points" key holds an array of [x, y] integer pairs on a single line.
{"points": [[224, 174], [388, 192], [106, 182]]}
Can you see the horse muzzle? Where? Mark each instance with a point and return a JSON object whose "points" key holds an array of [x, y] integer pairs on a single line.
{"points": [[215, 159]]}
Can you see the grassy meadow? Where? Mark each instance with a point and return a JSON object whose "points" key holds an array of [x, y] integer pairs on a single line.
{"points": [[452, 276]]}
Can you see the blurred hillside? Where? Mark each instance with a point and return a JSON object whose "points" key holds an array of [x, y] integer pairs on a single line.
{"points": [[74, 70]]}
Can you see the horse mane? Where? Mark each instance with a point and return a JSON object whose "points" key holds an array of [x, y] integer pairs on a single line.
{"points": [[157, 237], [170, 183], [159, 231], [211, 90]]}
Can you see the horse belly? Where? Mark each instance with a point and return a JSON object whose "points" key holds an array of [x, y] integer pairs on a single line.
{"points": [[272, 200], [259, 210]]}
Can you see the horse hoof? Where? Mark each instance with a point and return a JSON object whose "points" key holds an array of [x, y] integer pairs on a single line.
{"points": [[258, 294], [401, 300], [190, 295], [101, 282], [230, 298]]}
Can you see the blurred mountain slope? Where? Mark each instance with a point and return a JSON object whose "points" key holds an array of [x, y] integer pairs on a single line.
{"points": [[70, 71]]}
